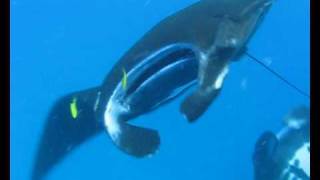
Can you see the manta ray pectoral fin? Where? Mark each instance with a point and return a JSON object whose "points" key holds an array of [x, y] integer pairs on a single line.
{"points": [[136, 141], [71, 121]]}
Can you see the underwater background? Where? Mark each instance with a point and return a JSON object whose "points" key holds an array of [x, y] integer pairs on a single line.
{"points": [[61, 46]]}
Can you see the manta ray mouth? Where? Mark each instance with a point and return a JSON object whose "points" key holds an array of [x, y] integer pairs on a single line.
{"points": [[170, 58], [164, 75], [157, 79]]}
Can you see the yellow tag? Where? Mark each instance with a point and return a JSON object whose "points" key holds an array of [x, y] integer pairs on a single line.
{"points": [[124, 79], [73, 108]]}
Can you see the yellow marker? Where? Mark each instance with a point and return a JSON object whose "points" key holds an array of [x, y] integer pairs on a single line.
{"points": [[73, 108], [124, 79]]}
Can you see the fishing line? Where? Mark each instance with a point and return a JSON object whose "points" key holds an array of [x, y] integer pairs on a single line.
{"points": [[279, 76]]}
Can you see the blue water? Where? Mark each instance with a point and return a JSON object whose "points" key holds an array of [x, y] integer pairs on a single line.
{"points": [[60, 46]]}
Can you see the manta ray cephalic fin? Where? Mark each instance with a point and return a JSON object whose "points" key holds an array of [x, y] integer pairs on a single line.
{"points": [[134, 140]]}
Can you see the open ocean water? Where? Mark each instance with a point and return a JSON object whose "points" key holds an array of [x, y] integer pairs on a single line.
{"points": [[61, 46]]}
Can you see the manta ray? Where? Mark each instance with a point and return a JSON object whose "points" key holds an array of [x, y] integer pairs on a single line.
{"points": [[285, 155], [192, 47]]}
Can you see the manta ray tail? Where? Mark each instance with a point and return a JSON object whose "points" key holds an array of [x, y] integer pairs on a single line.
{"points": [[71, 121]]}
